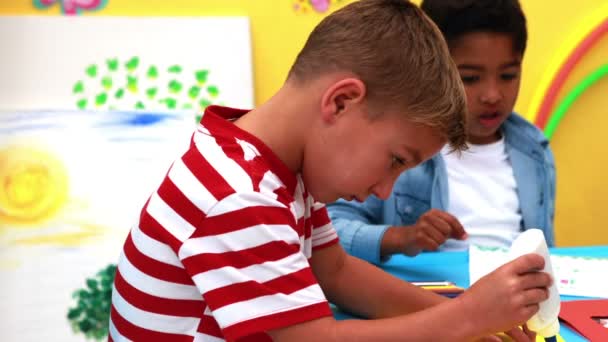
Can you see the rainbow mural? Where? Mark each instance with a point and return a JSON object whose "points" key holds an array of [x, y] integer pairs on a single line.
{"points": [[547, 115]]}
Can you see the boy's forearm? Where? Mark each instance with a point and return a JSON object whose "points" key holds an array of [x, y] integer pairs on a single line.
{"points": [[447, 322], [368, 291]]}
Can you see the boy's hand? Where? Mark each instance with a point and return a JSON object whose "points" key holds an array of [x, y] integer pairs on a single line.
{"points": [[516, 334], [431, 230], [519, 335], [508, 297]]}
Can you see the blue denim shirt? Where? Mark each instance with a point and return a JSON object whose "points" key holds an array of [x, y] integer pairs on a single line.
{"points": [[361, 226]]}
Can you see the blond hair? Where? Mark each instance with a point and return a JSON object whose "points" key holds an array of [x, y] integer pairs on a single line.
{"points": [[399, 54]]}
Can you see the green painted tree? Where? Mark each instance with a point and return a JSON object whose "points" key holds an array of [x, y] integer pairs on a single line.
{"points": [[91, 313]]}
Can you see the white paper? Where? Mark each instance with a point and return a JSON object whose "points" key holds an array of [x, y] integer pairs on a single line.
{"points": [[575, 276]]}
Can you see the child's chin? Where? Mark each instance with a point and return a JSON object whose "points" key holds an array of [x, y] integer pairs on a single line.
{"points": [[320, 196]]}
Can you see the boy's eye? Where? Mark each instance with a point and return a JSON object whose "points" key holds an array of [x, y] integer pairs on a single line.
{"points": [[397, 162], [509, 76], [469, 79]]}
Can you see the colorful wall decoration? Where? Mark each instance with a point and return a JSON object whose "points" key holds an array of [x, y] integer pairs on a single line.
{"points": [[71, 185], [308, 6], [125, 63], [71, 7], [131, 84], [546, 112], [92, 113]]}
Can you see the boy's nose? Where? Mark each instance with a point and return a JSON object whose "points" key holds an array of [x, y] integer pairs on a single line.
{"points": [[491, 95], [383, 189]]}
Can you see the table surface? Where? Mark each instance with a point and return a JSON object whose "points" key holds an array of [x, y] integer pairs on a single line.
{"points": [[454, 266]]}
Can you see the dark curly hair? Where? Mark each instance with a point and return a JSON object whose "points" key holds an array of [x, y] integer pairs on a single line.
{"points": [[456, 18]]}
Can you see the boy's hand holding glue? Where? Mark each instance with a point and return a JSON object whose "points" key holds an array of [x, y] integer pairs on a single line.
{"points": [[515, 292]]}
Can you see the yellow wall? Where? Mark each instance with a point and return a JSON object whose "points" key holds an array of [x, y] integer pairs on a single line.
{"points": [[278, 32], [580, 145]]}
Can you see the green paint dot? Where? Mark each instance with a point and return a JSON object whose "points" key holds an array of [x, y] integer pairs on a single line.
{"points": [[198, 118], [175, 69], [112, 64], [152, 72], [175, 86], [101, 99], [132, 64], [201, 76], [91, 70], [151, 92], [78, 87], [82, 103], [139, 105], [132, 83], [119, 93], [187, 106], [170, 102], [194, 91], [106, 82], [203, 103], [213, 91]]}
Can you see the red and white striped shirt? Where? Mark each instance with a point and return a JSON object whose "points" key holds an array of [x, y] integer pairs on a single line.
{"points": [[222, 248]]}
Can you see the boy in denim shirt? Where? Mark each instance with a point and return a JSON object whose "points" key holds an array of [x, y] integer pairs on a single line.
{"points": [[503, 184]]}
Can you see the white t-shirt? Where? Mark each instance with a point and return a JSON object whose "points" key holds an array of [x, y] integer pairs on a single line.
{"points": [[483, 195]]}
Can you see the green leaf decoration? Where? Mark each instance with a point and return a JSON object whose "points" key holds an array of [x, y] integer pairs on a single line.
{"points": [[91, 70], [175, 86], [213, 91], [119, 93], [132, 83], [152, 72], [170, 102], [78, 87], [112, 64], [151, 92], [194, 91], [82, 103], [132, 64], [203, 103], [106, 82], [175, 69], [101, 99], [201, 76]]}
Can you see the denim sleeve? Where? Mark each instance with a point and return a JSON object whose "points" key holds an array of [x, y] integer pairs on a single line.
{"points": [[357, 228]]}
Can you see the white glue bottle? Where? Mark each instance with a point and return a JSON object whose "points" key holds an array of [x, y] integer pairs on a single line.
{"points": [[545, 322]]}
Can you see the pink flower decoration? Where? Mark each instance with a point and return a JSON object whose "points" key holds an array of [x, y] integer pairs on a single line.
{"points": [[72, 7], [320, 5]]}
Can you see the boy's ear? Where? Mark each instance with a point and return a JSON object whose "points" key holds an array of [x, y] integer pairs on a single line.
{"points": [[342, 96]]}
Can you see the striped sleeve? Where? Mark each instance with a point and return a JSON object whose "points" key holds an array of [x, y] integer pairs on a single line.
{"points": [[323, 232], [246, 261]]}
